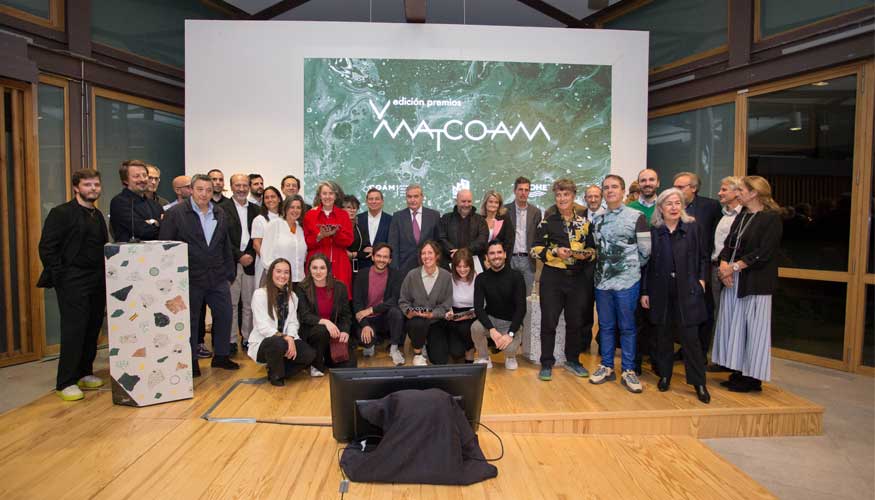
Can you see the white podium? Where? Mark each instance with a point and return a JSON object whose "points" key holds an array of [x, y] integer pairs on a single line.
{"points": [[147, 308]]}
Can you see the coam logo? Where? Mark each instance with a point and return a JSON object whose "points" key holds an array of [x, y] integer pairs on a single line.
{"points": [[455, 130]]}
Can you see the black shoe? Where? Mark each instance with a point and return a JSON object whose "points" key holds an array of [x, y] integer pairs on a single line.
{"points": [[245, 346], [195, 370], [278, 382], [702, 394], [715, 368], [233, 349], [679, 355], [663, 384], [224, 362]]}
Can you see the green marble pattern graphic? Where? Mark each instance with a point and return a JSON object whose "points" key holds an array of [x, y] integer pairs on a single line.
{"points": [[352, 107]]}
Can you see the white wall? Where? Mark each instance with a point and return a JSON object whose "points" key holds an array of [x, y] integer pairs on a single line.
{"points": [[244, 81]]}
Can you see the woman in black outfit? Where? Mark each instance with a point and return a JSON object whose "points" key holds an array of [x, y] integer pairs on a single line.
{"points": [[673, 290]]}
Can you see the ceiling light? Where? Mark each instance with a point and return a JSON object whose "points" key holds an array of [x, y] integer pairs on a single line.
{"points": [[820, 84]]}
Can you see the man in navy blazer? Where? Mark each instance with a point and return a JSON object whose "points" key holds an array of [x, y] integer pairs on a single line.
{"points": [[374, 224], [403, 234], [203, 225], [707, 213]]}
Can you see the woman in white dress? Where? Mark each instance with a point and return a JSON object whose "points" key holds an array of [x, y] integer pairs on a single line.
{"points": [[270, 211], [284, 238]]}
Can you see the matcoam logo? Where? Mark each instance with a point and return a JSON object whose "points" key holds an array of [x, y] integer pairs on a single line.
{"points": [[454, 130]]}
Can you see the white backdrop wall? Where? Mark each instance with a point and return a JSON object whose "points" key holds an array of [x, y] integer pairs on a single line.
{"points": [[244, 108]]}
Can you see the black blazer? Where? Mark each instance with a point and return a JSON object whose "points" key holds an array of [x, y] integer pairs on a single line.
{"points": [[708, 213], [758, 248], [390, 294], [208, 264], [448, 234], [121, 216], [405, 249], [308, 310], [690, 259], [507, 234], [235, 232], [361, 221], [61, 240]]}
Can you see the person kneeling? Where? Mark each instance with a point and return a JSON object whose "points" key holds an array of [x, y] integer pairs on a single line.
{"points": [[426, 296], [325, 316], [500, 306], [274, 339], [375, 301]]}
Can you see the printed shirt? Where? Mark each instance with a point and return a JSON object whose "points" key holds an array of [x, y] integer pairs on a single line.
{"points": [[554, 232], [623, 240]]}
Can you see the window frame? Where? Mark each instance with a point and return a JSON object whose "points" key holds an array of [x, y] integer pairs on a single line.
{"points": [[55, 20]]}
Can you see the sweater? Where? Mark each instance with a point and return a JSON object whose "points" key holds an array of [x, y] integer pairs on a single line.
{"points": [[413, 294], [500, 294]]}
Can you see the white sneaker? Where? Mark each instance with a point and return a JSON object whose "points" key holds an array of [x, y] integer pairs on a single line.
{"points": [[483, 361], [396, 355], [316, 373], [425, 352], [419, 360], [510, 363], [368, 352], [90, 382], [70, 393]]}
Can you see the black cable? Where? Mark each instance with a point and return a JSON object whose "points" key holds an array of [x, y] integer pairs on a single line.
{"points": [[500, 442]]}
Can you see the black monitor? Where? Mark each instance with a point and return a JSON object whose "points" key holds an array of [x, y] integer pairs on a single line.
{"points": [[350, 386]]}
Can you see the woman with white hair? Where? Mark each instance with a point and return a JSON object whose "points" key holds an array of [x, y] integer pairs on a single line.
{"points": [[673, 289]]}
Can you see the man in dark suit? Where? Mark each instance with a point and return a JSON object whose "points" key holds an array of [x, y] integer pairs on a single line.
{"points": [[707, 213], [204, 227], [374, 225], [525, 218], [71, 250], [132, 215], [411, 227], [241, 212]]}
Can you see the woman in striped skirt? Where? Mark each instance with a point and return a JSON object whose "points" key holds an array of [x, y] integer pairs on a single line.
{"points": [[749, 273]]}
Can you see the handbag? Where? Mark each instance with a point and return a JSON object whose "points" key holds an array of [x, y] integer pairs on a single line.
{"points": [[339, 351]]}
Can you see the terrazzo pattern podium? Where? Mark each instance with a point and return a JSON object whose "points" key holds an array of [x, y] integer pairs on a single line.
{"points": [[532, 339], [148, 322]]}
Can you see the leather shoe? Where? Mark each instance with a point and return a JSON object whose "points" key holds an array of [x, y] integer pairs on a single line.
{"points": [[663, 384], [224, 362], [702, 394], [195, 369], [277, 382]]}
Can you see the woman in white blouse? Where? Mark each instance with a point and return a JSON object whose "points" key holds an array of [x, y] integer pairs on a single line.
{"points": [[270, 211], [284, 238], [274, 339], [461, 317]]}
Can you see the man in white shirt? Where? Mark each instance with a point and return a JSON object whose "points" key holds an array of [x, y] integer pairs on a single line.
{"points": [[241, 213], [376, 223], [525, 218], [593, 198]]}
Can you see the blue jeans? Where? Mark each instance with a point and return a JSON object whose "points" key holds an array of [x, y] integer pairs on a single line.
{"points": [[616, 310]]}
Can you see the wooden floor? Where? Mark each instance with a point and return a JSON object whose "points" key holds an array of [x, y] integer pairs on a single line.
{"points": [[94, 449]]}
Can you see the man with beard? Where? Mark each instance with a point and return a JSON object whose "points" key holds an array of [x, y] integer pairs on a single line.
{"points": [[463, 228], [132, 215], [375, 303], [71, 250], [648, 183], [217, 178], [256, 189]]}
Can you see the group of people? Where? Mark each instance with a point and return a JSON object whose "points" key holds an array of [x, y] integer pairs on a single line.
{"points": [[301, 287]]}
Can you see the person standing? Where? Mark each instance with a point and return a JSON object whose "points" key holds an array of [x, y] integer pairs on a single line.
{"points": [[463, 228], [728, 197], [623, 248], [375, 304], [239, 230], [152, 186], [593, 199], [749, 272], [269, 211], [409, 228], [217, 178], [374, 224], [500, 306], [71, 251], [256, 189], [182, 188], [291, 186], [328, 230], [498, 222], [284, 238], [203, 226], [356, 250], [673, 290], [132, 216], [525, 218], [564, 243], [648, 184]]}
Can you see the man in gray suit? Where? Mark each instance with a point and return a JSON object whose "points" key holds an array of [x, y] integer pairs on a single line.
{"points": [[411, 227], [525, 218]]}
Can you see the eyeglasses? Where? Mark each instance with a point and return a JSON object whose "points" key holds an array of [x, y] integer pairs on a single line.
{"points": [[156, 179], [681, 186]]}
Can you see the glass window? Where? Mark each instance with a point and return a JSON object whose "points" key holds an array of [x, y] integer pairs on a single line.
{"points": [[802, 141], [700, 141], [678, 28], [809, 316], [53, 180], [40, 8], [127, 131], [158, 32], [869, 328], [777, 16]]}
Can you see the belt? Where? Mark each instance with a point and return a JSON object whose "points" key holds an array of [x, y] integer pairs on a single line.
{"points": [[519, 254], [566, 272]]}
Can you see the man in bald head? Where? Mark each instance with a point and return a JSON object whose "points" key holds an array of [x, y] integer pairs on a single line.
{"points": [[182, 188], [241, 212], [463, 228]]}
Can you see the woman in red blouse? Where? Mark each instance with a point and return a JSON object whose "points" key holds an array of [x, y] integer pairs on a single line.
{"points": [[328, 230]]}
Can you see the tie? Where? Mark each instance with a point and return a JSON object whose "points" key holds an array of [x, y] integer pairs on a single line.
{"points": [[417, 231]]}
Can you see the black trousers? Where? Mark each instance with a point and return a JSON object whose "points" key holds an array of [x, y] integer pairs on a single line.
{"points": [[389, 325], [453, 344], [82, 304], [586, 336], [688, 336], [706, 329], [318, 338], [646, 338], [272, 352], [569, 291], [202, 325], [418, 330], [219, 299]]}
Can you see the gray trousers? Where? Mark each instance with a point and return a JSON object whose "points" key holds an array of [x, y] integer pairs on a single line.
{"points": [[524, 265], [241, 291], [480, 336]]}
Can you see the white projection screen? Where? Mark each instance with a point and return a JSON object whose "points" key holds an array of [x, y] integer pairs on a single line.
{"points": [[387, 105]]}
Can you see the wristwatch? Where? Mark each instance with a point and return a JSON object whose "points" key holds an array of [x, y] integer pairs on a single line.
{"points": [[511, 334], [735, 267]]}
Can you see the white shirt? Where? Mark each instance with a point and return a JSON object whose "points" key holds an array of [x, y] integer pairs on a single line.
{"points": [[263, 326], [592, 215], [253, 199], [373, 225], [259, 224], [242, 214], [428, 280], [723, 228], [463, 293], [418, 217], [279, 241], [519, 244]]}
